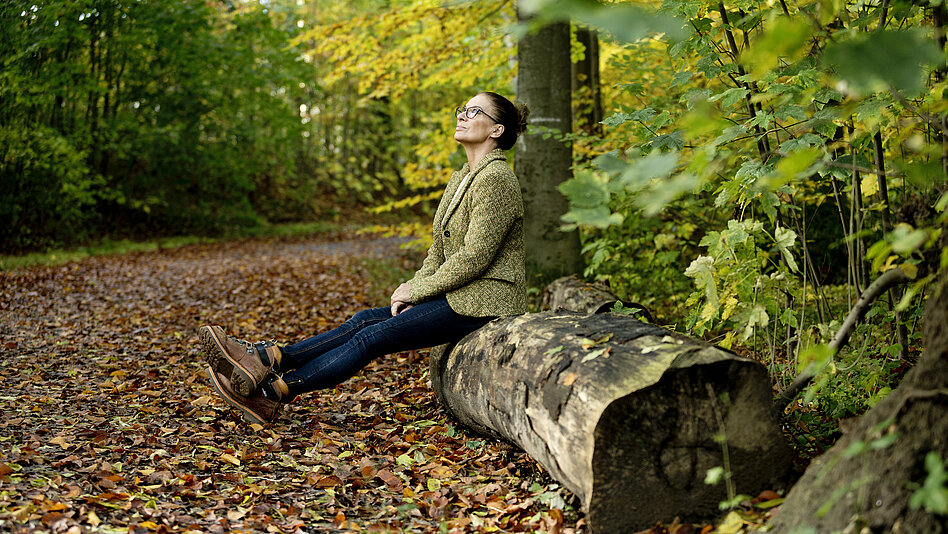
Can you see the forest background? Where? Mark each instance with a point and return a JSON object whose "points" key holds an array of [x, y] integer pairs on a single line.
{"points": [[751, 175]]}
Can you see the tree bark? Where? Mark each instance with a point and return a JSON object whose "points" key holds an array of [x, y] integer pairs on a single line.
{"points": [[624, 414], [571, 293], [543, 161], [864, 483], [588, 110]]}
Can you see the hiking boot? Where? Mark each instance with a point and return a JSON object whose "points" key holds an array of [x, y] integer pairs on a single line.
{"points": [[244, 363], [276, 389], [256, 408]]}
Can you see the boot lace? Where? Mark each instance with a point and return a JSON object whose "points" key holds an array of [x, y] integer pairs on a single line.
{"points": [[251, 347]]}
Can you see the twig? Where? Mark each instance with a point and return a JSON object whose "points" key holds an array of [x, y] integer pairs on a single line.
{"points": [[889, 279]]}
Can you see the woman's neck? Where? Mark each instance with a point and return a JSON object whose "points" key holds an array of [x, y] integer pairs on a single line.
{"points": [[477, 152]]}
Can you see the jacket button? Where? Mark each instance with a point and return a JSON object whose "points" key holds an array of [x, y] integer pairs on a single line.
{"points": [[447, 233]]}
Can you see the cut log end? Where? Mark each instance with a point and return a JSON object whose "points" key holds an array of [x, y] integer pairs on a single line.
{"points": [[666, 438]]}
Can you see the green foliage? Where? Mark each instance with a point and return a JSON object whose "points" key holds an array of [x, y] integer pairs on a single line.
{"points": [[131, 118], [45, 186], [883, 60], [804, 144], [932, 495]]}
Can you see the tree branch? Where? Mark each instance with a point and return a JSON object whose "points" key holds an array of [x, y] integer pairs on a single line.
{"points": [[889, 279]]}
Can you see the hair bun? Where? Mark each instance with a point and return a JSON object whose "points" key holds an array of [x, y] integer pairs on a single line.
{"points": [[523, 112]]}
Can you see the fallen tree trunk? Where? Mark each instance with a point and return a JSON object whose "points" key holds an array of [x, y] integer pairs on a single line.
{"points": [[624, 414], [571, 293]]}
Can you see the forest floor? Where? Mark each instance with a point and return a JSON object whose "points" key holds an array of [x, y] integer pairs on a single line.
{"points": [[109, 423]]}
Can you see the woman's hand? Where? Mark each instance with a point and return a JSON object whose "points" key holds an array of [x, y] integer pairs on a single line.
{"points": [[401, 299], [399, 307]]}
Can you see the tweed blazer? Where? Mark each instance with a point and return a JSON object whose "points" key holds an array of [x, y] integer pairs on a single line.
{"points": [[476, 258]]}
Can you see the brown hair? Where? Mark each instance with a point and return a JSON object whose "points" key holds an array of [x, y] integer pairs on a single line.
{"points": [[512, 116]]}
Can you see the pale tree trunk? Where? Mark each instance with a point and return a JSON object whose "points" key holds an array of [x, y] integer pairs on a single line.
{"points": [[865, 482], [543, 83], [626, 415]]}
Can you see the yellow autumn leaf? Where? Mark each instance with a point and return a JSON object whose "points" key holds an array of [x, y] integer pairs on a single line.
{"points": [[732, 524], [730, 305], [62, 441], [203, 400], [231, 459], [910, 270], [870, 185]]}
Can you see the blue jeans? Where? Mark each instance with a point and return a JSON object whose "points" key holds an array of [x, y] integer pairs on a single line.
{"points": [[328, 359]]}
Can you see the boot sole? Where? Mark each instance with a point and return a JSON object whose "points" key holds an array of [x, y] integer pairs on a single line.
{"points": [[241, 380], [249, 414]]}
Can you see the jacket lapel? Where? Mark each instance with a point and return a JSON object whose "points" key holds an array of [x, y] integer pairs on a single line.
{"points": [[448, 194], [455, 199]]}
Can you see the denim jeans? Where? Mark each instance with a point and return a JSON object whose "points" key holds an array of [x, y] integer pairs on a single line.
{"points": [[328, 359]]}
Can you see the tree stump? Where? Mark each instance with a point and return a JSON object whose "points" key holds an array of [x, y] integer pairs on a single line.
{"points": [[624, 414]]}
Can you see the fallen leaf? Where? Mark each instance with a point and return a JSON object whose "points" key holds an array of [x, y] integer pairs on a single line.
{"points": [[229, 458], [62, 441]]}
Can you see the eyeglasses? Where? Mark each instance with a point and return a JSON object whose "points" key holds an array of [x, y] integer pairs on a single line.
{"points": [[471, 112]]}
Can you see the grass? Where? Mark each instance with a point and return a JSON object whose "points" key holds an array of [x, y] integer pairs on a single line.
{"points": [[107, 246]]}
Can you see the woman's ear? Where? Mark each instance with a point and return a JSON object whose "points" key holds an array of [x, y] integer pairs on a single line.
{"points": [[497, 131]]}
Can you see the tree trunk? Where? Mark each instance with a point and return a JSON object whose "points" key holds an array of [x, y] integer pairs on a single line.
{"points": [[588, 105], [867, 479], [543, 161], [624, 414]]}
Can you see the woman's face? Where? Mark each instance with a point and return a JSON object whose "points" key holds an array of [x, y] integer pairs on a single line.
{"points": [[481, 128]]}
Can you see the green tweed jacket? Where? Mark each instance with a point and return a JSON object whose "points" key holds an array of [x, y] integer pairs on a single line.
{"points": [[476, 255]]}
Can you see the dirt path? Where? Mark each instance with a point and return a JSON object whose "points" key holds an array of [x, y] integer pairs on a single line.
{"points": [[108, 423]]}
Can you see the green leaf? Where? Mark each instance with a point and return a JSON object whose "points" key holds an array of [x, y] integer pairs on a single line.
{"points": [[702, 270], [680, 78], [673, 141], [805, 141], [594, 354], [639, 172], [785, 238], [585, 190], [661, 120], [905, 239], [784, 38], [883, 60], [625, 22], [616, 119], [598, 217], [757, 316], [818, 356], [553, 351], [933, 494], [714, 475], [730, 97], [643, 115]]}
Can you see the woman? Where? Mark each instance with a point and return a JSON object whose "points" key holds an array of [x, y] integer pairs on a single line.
{"points": [[473, 273]]}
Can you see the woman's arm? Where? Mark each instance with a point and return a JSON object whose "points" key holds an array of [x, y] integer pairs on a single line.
{"points": [[495, 205]]}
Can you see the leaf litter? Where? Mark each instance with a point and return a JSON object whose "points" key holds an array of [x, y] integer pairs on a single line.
{"points": [[109, 424]]}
